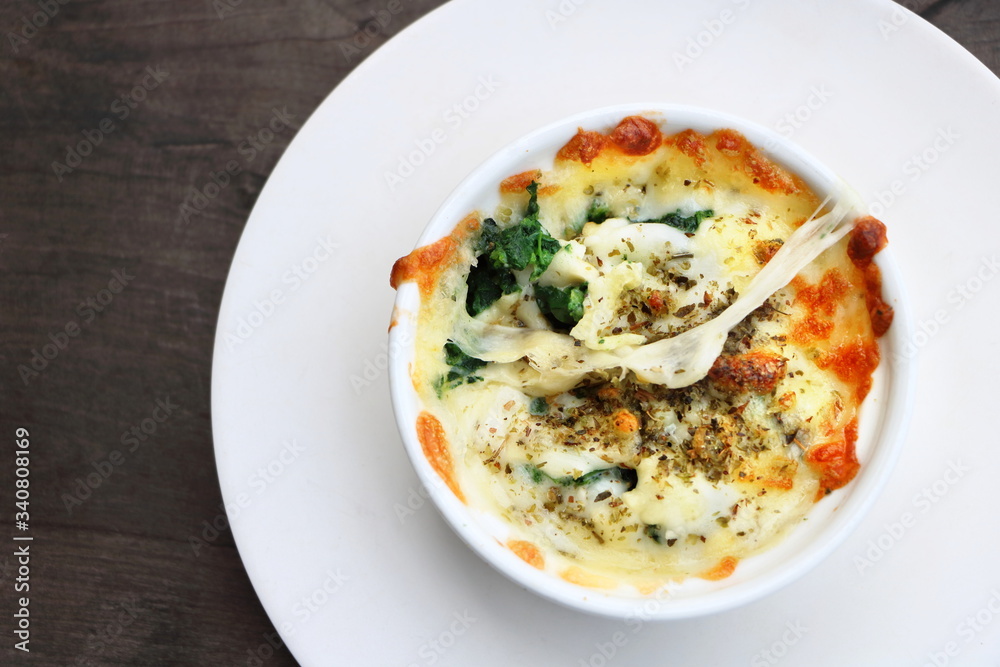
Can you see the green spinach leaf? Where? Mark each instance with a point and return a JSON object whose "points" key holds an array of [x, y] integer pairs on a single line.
{"points": [[618, 474], [539, 406], [463, 368], [688, 225], [487, 283], [503, 251], [565, 306], [598, 211]]}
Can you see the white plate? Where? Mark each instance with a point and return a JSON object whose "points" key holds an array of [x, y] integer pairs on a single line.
{"points": [[351, 562]]}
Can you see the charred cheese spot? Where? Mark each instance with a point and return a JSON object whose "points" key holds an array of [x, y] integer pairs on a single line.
{"points": [[434, 443], [690, 143], [879, 311], [758, 372], [527, 552], [425, 264], [763, 171], [583, 147], [867, 238], [835, 460], [636, 135], [519, 182], [824, 296], [853, 362], [724, 569]]}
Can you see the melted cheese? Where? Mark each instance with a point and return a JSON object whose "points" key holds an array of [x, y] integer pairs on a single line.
{"points": [[596, 474]]}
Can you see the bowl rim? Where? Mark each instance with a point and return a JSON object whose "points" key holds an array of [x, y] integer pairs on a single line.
{"points": [[856, 499]]}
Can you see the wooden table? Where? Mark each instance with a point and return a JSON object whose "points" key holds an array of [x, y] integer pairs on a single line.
{"points": [[112, 112]]}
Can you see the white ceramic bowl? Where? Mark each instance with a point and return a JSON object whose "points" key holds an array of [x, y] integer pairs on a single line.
{"points": [[883, 419]]}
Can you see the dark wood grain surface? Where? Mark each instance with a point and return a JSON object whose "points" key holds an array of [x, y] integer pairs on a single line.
{"points": [[111, 289]]}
